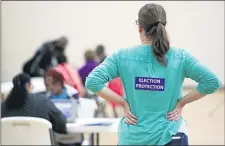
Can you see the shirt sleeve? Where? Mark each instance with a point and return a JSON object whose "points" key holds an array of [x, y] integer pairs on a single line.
{"points": [[57, 118], [207, 81], [103, 73]]}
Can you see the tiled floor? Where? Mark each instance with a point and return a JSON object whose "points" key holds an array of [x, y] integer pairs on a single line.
{"points": [[205, 122]]}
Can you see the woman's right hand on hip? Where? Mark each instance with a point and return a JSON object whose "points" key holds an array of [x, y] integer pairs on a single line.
{"points": [[130, 118]]}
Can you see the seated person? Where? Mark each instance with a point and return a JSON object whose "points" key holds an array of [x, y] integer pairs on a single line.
{"points": [[54, 83], [56, 90], [21, 102]]}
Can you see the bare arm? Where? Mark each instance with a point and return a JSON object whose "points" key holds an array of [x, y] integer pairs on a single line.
{"points": [[108, 94], [190, 97]]}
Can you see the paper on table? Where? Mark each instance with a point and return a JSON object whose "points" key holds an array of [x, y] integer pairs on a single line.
{"points": [[99, 124]]}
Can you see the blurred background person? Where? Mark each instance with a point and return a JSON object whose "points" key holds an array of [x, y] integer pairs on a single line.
{"points": [[116, 85], [100, 53], [54, 83], [47, 56], [70, 75], [56, 90], [60, 47], [2, 96], [89, 65], [21, 102]]}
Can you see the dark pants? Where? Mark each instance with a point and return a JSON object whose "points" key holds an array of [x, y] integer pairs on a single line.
{"points": [[179, 139]]}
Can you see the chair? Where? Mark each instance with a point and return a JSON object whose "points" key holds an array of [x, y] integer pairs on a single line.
{"points": [[25, 131], [68, 139]]}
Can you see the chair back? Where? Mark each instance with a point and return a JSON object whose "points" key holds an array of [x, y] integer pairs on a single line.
{"points": [[25, 131]]}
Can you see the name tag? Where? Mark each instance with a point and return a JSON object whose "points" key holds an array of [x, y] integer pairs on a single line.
{"points": [[153, 84]]}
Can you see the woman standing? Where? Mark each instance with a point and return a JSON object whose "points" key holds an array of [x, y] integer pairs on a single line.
{"points": [[152, 74]]}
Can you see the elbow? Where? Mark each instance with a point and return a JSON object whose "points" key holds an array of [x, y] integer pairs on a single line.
{"points": [[93, 84], [210, 86], [216, 85], [88, 83]]}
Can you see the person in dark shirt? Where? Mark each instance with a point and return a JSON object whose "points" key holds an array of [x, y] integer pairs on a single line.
{"points": [[21, 102], [100, 53], [47, 56], [89, 65]]}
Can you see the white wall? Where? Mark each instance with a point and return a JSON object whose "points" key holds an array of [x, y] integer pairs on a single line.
{"points": [[197, 26]]}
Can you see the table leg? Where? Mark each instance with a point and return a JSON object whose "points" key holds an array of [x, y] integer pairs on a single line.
{"points": [[97, 141], [92, 139]]}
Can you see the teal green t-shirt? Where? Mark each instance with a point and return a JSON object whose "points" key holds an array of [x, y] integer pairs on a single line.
{"points": [[151, 89]]}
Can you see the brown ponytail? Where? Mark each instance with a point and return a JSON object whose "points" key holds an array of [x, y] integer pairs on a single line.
{"points": [[152, 18]]}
